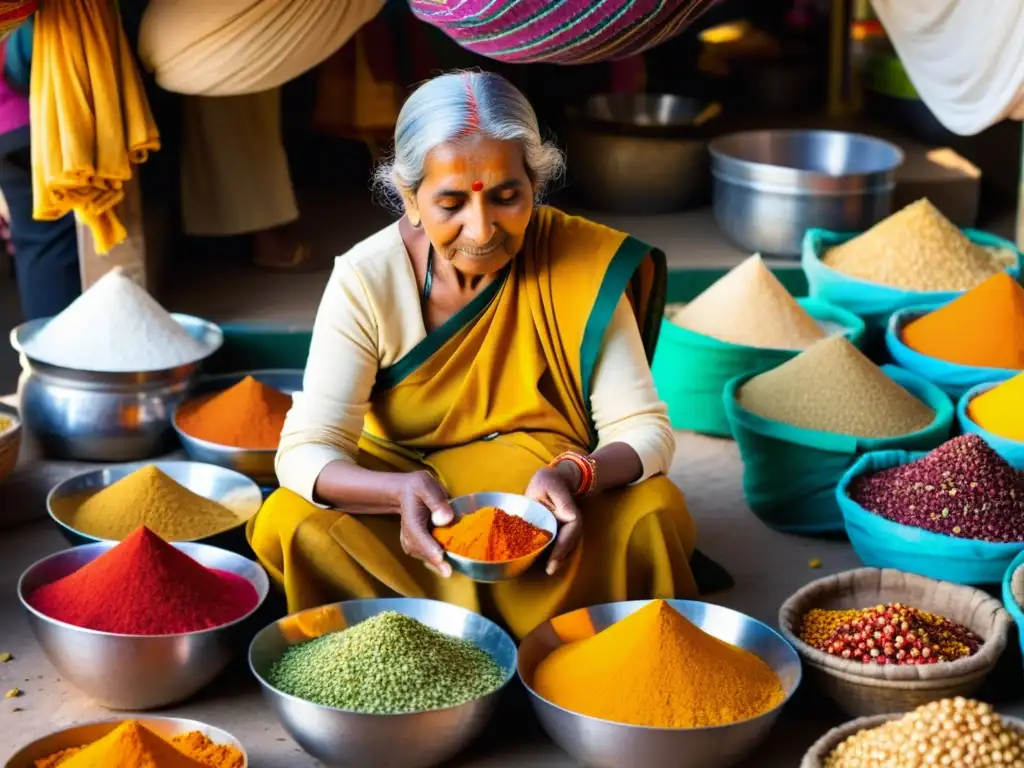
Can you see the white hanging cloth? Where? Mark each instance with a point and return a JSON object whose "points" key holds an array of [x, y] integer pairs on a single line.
{"points": [[964, 57]]}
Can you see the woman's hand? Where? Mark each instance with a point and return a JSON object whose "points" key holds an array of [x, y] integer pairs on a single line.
{"points": [[552, 488], [424, 504]]}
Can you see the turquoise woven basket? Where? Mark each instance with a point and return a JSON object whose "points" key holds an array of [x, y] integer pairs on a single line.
{"points": [[1010, 602], [1011, 450], [790, 474], [881, 543], [691, 370]]}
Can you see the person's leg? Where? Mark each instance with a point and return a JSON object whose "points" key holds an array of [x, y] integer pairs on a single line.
{"points": [[45, 252], [235, 178]]}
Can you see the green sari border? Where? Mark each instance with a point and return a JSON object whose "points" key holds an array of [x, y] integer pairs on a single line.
{"points": [[623, 267], [431, 343]]}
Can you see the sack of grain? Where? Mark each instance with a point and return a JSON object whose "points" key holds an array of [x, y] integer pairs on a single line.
{"points": [[691, 369], [1011, 450], [790, 473]]}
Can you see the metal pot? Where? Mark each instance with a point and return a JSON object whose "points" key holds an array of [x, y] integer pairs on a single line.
{"points": [[640, 153], [770, 187]]}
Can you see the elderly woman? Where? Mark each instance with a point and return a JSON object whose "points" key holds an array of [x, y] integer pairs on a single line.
{"points": [[481, 343]]}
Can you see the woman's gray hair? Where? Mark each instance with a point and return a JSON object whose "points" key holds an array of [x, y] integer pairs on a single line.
{"points": [[457, 105]]}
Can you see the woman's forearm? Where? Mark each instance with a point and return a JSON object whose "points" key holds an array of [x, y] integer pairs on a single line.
{"points": [[618, 464], [358, 490]]}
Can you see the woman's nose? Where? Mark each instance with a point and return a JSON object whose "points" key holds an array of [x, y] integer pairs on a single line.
{"points": [[479, 228]]}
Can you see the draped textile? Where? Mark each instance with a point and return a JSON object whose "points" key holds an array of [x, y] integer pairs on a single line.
{"points": [[91, 121], [232, 47], [13, 13], [559, 32], [964, 57]]}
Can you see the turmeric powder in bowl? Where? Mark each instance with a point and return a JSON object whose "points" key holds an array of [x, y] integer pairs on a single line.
{"points": [[248, 415], [491, 535]]}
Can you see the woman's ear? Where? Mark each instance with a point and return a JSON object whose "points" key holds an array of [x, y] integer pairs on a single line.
{"points": [[412, 212]]}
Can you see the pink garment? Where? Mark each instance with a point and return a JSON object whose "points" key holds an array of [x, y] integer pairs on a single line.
{"points": [[13, 106]]}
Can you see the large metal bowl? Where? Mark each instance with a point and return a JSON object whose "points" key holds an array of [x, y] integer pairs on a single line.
{"points": [[225, 486], [87, 733], [513, 504], [640, 153], [354, 740], [93, 416], [770, 187], [136, 672], [604, 744], [254, 463]]}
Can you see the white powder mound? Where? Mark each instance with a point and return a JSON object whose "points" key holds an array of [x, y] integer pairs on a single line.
{"points": [[750, 307], [114, 327]]}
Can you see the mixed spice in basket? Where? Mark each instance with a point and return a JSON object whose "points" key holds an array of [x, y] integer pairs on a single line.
{"points": [[888, 634], [953, 732], [491, 535], [963, 488], [248, 415]]}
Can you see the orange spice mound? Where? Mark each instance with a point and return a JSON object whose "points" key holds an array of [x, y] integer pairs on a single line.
{"points": [[492, 535], [136, 742], [248, 415]]}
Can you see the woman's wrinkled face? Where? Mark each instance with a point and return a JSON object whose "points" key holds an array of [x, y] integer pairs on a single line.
{"points": [[475, 203]]}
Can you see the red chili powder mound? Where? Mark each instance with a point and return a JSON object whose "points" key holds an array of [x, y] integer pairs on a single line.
{"points": [[145, 586], [248, 415], [492, 535]]}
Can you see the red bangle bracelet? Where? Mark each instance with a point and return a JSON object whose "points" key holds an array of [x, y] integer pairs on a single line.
{"points": [[587, 467]]}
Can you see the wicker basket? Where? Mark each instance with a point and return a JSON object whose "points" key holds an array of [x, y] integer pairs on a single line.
{"points": [[869, 689], [822, 748], [10, 440]]}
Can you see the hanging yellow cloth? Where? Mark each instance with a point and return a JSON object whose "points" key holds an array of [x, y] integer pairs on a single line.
{"points": [[549, 312], [91, 120]]}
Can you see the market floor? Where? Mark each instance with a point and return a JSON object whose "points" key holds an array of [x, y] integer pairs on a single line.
{"points": [[767, 567]]}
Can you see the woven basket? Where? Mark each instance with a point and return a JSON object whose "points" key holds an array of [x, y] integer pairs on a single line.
{"points": [[870, 689], [822, 748], [10, 440]]}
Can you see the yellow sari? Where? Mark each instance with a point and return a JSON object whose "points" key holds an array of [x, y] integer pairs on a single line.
{"points": [[483, 402]]}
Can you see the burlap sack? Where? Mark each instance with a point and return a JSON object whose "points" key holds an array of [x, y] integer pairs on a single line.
{"points": [[871, 689]]}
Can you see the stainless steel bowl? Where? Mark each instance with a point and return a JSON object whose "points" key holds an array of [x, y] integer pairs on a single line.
{"points": [[10, 440], [254, 463], [770, 187], [93, 416], [225, 486], [341, 738], [86, 733], [136, 671], [640, 153], [513, 504], [604, 744]]}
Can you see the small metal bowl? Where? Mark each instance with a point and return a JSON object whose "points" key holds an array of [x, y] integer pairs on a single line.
{"points": [[513, 504], [10, 440], [351, 739], [255, 463], [136, 672], [87, 733], [604, 744], [232, 489], [104, 416]]}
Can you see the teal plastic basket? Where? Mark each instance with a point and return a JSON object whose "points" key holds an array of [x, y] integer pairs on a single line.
{"points": [[691, 370], [882, 543], [1011, 450], [790, 474], [874, 302], [1010, 602]]}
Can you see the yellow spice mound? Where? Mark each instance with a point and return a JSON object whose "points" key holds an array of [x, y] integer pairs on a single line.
{"points": [[131, 745], [657, 669], [1000, 410], [833, 387], [151, 498], [917, 249], [750, 307]]}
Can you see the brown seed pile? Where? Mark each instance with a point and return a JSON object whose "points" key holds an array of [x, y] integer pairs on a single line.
{"points": [[917, 249], [750, 307], [963, 488], [888, 634], [951, 732], [833, 387]]}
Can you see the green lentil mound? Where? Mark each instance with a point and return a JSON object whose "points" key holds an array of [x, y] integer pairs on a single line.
{"points": [[387, 665]]}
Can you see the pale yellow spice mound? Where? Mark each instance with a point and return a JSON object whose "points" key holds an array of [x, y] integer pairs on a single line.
{"points": [[917, 249], [750, 307], [833, 387]]}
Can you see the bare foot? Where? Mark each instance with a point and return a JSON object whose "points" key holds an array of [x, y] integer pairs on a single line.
{"points": [[280, 249]]}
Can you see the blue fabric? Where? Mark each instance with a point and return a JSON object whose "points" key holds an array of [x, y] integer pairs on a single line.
{"points": [[952, 378], [1010, 602], [691, 370], [872, 301], [790, 474], [881, 543], [18, 57], [1011, 450]]}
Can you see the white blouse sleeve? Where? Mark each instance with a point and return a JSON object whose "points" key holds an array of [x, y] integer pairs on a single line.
{"points": [[326, 417], [624, 403]]}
